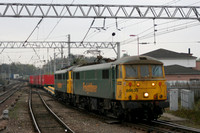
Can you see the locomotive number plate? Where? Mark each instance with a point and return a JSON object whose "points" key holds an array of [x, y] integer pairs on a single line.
{"points": [[132, 90]]}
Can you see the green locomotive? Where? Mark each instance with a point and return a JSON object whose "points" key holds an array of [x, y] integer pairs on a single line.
{"points": [[131, 87]]}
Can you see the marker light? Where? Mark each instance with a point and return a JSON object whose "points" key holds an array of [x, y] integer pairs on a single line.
{"points": [[160, 83], [153, 84], [146, 94], [136, 97], [130, 84], [138, 84]]}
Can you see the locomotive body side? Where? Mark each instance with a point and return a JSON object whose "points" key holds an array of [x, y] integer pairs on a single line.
{"points": [[61, 78], [94, 81]]}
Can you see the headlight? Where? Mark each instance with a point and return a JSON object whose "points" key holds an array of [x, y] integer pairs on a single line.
{"points": [[146, 94], [153, 84]]}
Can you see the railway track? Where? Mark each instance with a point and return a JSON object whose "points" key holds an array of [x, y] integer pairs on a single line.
{"points": [[44, 119], [176, 127], [9, 92], [154, 126], [161, 127]]}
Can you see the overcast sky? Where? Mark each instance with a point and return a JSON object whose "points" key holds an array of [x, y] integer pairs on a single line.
{"points": [[178, 35]]}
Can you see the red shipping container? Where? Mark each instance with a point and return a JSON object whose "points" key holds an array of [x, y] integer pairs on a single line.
{"points": [[34, 80], [47, 80], [31, 80], [39, 80]]}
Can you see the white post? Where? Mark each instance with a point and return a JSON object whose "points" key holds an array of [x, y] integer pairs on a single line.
{"points": [[138, 45], [118, 50], [173, 99]]}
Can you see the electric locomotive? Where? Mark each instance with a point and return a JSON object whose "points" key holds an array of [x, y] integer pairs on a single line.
{"points": [[132, 87]]}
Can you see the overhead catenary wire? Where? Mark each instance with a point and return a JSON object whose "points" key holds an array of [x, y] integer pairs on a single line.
{"points": [[167, 30], [88, 30], [57, 23], [33, 31], [161, 33], [128, 26], [31, 35]]}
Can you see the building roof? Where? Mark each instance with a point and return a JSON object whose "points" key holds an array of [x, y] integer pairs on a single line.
{"points": [[180, 70], [167, 54]]}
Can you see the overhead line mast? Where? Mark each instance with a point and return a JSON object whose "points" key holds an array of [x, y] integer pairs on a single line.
{"points": [[58, 44], [98, 11], [19, 10]]}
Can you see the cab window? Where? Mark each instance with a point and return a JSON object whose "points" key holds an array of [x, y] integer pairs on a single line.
{"points": [[120, 71], [131, 71], [63, 76], [66, 75], [144, 71], [77, 75], [59, 76], [157, 71], [105, 74]]}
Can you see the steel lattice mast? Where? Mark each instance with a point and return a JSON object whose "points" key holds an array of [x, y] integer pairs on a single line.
{"points": [[98, 11], [63, 44]]}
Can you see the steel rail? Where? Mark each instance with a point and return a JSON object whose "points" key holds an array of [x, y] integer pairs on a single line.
{"points": [[31, 112], [7, 97], [2, 94], [5, 92], [68, 130], [177, 126]]}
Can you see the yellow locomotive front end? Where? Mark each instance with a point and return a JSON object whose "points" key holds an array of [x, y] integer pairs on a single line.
{"points": [[141, 82], [140, 88]]}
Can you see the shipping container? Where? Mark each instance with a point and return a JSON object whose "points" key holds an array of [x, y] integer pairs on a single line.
{"points": [[47, 80], [31, 80]]}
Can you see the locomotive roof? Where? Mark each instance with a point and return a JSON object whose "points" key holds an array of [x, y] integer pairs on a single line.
{"points": [[124, 60], [93, 67], [65, 70], [137, 60]]}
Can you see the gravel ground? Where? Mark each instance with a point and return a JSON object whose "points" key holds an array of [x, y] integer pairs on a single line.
{"points": [[85, 123], [19, 119], [20, 122]]}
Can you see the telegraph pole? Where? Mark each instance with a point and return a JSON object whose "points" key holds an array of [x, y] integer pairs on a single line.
{"points": [[118, 50]]}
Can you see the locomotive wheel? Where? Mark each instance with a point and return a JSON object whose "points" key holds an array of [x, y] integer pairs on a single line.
{"points": [[118, 111]]}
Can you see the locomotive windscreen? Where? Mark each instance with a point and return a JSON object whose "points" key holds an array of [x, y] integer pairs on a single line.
{"points": [[146, 71]]}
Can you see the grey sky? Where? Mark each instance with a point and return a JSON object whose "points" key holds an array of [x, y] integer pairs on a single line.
{"points": [[184, 33]]}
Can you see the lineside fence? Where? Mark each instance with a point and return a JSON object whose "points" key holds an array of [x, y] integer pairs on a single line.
{"points": [[187, 85], [184, 92]]}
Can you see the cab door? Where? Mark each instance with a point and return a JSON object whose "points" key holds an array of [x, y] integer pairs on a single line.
{"points": [[120, 81], [69, 83]]}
